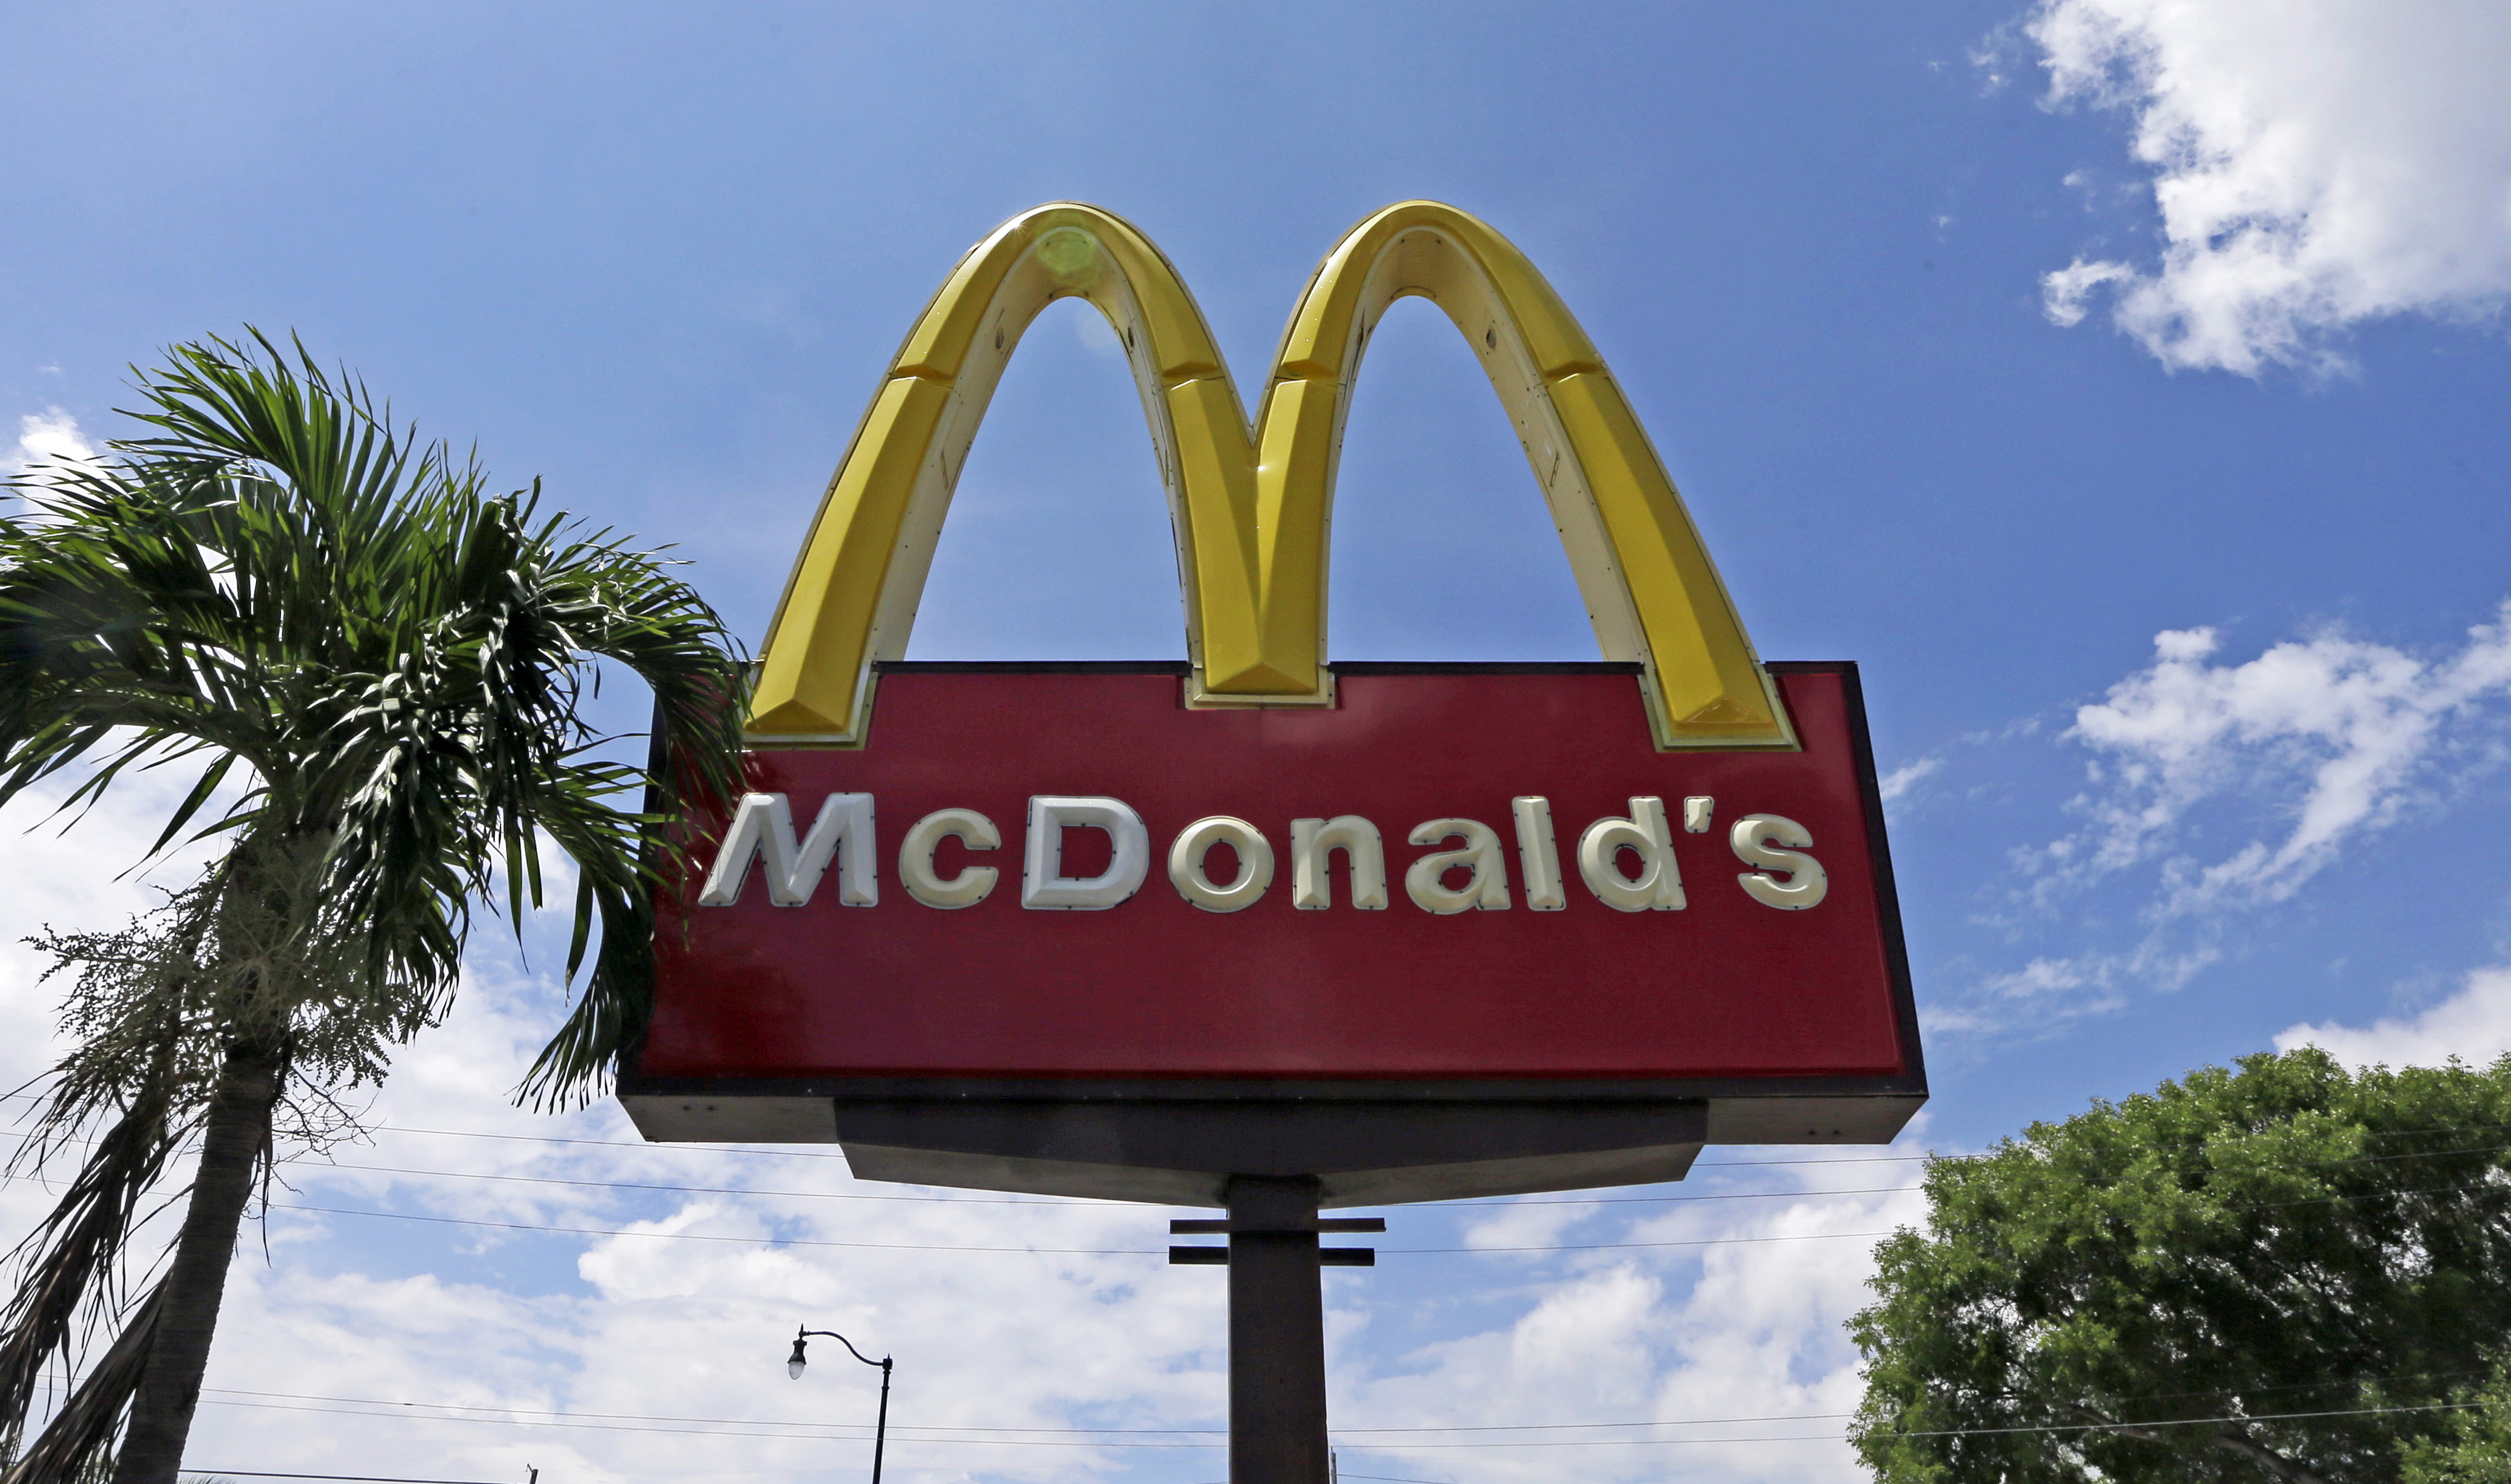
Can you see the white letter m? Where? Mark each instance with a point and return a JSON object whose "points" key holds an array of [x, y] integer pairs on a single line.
{"points": [[763, 824]]}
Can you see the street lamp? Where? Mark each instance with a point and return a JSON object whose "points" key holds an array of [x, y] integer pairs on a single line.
{"points": [[794, 1362]]}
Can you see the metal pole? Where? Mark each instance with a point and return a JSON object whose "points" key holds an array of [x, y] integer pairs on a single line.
{"points": [[880, 1429], [1277, 1334]]}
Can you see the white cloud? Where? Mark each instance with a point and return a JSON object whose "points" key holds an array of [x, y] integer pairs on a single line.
{"points": [[2217, 787], [2054, 990], [48, 437], [2047, 995], [2314, 166], [2334, 734], [2473, 1025], [1749, 1329], [1511, 1227], [1908, 776]]}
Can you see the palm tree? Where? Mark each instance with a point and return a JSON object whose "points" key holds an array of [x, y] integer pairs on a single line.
{"points": [[380, 665]]}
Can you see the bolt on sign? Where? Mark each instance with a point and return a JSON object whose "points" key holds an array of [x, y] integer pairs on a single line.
{"points": [[1405, 932]]}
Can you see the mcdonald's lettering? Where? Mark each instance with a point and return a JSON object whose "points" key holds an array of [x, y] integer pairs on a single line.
{"points": [[1417, 929], [762, 834]]}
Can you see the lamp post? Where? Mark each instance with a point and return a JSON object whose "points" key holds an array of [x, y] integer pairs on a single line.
{"points": [[794, 1362]]}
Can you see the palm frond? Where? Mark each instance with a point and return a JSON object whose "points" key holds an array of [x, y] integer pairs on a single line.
{"points": [[71, 1264], [84, 1431], [136, 1075], [609, 1018]]}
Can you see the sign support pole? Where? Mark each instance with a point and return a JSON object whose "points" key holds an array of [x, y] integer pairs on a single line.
{"points": [[1277, 1334], [1277, 1322]]}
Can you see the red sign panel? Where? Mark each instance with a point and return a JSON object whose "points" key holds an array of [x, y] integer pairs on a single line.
{"points": [[1770, 960]]}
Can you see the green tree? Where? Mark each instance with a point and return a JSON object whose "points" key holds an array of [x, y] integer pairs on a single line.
{"points": [[2283, 1271], [381, 665], [2473, 1445]]}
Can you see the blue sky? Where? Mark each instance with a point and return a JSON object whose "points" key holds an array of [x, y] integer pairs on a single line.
{"points": [[1986, 342]]}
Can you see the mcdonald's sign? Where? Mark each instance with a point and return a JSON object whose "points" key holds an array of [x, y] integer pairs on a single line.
{"points": [[1419, 931]]}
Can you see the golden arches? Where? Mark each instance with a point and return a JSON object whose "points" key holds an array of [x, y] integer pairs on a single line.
{"points": [[1251, 505]]}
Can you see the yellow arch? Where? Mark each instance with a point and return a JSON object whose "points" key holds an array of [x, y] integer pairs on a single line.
{"points": [[1251, 506]]}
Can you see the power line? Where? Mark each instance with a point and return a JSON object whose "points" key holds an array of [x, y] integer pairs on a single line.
{"points": [[829, 1433], [910, 1246], [2189, 1422], [1662, 1422], [734, 1190], [748, 1421], [891, 1246], [704, 1190], [755, 1241], [759, 1152], [739, 1422], [1071, 1202], [813, 1154], [1818, 1438], [725, 1190], [1584, 1200], [1066, 1202], [1354, 1438], [361, 1478], [755, 1150], [745, 1191]]}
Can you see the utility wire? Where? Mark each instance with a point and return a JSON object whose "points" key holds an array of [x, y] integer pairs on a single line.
{"points": [[1056, 1202], [890, 1246], [730, 1190], [913, 1246], [814, 1153], [2189, 1421], [1403, 1446], [1818, 1438], [734, 1190], [1921, 1154], [825, 1436], [751, 1422], [1583, 1200], [1067, 1202], [738, 1422], [361, 1478], [1662, 1422]]}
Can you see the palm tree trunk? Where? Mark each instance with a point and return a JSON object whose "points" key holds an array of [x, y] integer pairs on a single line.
{"points": [[238, 1130]]}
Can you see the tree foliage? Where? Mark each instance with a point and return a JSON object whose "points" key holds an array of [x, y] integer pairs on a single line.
{"points": [[2473, 1445], [2283, 1270], [376, 671]]}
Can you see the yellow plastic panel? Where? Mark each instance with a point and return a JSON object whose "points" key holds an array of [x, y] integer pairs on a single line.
{"points": [[816, 673], [1217, 549], [1710, 688], [1252, 503]]}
